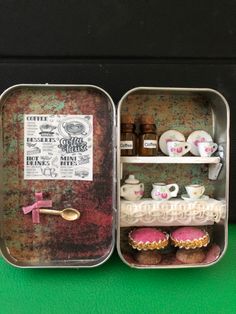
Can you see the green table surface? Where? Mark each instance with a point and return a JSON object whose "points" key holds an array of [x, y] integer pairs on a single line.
{"points": [[116, 288]]}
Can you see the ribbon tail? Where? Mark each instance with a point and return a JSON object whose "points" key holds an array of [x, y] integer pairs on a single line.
{"points": [[28, 209], [43, 203], [35, 216], [38, 196]]}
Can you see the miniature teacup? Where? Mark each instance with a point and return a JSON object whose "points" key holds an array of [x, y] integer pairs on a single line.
{"points": [[162, 191], [178, 149], [195, 191], [133, 190], [206, 149]]}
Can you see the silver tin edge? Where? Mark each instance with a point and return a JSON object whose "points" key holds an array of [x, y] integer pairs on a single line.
{"points": [[202, 90], [12, 88]]}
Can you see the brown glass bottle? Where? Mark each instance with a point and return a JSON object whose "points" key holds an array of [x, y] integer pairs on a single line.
{"points": [[128, 137], [148, 136]]}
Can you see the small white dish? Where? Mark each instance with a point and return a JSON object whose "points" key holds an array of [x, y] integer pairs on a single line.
{"points": [[187, 198], [169, 136], [197, 137]]}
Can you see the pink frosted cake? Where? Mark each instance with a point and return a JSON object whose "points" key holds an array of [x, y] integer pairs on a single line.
{"points": [[148, 239], [190, 238]]}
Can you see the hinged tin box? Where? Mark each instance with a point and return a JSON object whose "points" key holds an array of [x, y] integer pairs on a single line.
{"points": [[62, 173]]}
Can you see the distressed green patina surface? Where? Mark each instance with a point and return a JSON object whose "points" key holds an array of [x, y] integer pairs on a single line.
{"points": [[183, 113], [55, 240]]}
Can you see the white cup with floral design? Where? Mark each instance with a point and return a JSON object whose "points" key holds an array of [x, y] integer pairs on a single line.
{"points": [[178, 149], [195, 191], [206, 149]]}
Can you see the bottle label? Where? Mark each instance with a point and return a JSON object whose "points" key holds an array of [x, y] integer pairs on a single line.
{"points": [[126, 145], [150, 144]]}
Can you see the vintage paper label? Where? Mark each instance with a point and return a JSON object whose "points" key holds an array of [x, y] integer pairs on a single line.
{"points": [[150, 144], [58, 147], [126, 144]]}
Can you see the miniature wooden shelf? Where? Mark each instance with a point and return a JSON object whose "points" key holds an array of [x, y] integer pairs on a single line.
{"points": [[214, 162], [170, 160]]}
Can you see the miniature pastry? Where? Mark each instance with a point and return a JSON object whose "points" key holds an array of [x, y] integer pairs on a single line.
{"points": [[148, 257], [189, 238], [190, 256], [148, 239]]}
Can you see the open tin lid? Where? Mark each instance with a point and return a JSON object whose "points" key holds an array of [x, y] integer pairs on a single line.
{"points": [[57, 153]]}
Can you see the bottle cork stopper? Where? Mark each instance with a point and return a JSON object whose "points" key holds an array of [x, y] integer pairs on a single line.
{"points": [[147, 119], [127, 118]]}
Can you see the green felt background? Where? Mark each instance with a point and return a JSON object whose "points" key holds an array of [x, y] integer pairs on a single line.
{"points": [[116, 288]]}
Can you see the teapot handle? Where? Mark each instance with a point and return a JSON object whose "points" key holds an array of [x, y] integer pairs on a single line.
{"points": [[122, 190], [175, 191], [142, 186]]}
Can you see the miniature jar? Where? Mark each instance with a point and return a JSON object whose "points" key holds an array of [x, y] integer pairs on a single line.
{"points": [[147, 137], [128, 137]]}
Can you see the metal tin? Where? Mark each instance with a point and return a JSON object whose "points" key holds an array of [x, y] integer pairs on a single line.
{"points": [[185, 110], [89, 241], [55, 242]]}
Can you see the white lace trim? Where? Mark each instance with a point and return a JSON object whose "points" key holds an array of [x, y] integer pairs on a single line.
{"points": [[176, 212]]}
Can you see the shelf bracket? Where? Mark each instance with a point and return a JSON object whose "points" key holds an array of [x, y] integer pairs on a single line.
{"points": [[214, 171]]}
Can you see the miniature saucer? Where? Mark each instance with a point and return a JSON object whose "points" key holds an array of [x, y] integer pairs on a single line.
{"points": [[196, 137], [186, 197], [148, 239], [168, 136], [189, 238]]}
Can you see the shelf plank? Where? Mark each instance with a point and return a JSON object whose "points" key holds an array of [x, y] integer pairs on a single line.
{"points": [[170, 160]]}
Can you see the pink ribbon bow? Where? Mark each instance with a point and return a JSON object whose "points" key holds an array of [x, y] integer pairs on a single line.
{"points": [[35, 207]]}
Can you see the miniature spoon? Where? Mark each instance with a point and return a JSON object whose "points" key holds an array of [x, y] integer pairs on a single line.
{"points": [[69, 214]]}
